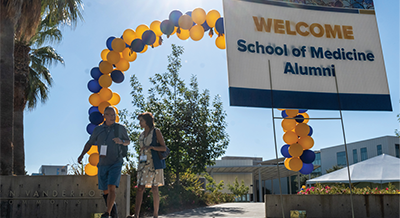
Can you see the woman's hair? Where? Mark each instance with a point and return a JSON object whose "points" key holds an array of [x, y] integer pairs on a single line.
{"points": [[148, 117]]}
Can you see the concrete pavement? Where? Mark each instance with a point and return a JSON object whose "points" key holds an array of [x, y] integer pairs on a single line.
{"points": [[223, 210]]}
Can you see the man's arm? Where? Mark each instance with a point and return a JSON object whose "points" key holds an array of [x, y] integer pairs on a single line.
{"points": [[85, 150]]}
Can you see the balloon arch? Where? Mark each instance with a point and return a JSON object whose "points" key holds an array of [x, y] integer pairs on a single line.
{"points": [[192, 24]]}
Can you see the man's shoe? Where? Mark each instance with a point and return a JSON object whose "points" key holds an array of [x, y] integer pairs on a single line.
{"points": [[105, 215]]}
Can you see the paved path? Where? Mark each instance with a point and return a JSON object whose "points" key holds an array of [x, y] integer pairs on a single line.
{"points": [[223, 210]]}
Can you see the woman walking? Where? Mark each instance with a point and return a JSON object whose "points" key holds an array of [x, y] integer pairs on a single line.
{"points": [[148, 174]]}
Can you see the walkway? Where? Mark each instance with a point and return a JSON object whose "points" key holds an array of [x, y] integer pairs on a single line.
{"points": [[223, 210]]}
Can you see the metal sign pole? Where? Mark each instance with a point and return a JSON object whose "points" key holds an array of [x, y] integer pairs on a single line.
{"points": [[276, 148]]}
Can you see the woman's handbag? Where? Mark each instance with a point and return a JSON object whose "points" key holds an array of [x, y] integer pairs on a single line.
{"points": [[159, 162]]}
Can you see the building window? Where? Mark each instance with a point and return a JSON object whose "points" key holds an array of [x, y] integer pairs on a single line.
{"points": [[364, 154], [379, 149], [355, 157], [341, 158], [396, 147]]}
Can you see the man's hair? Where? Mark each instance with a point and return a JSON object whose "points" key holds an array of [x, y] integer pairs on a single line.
{"points": [[148, 118], [109, 108]]}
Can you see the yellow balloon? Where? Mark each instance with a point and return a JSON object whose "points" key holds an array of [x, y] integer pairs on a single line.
{"points": [[117, 118], [291, 112], [115, 99], [113, 57], [302, 129], [103, 106], [94, 159], [140, 30], [185, 22], [184, 34], [175, 29], [199, 16], [104, 54], [129, 55], [105, 67], [288, 124], [295, 163], [92, 150], [281, 109], [106, 94], [155, 26], [220, 42], [286, 163], [122, 65], [118, 44], [212, 17], [216, 32], [105, 81], [95, 99], [295, 150], [157, 42], [144, 50], [196, 32], [305, 115], [90, 170], [306, 142], [290, 137], [129, 35]]}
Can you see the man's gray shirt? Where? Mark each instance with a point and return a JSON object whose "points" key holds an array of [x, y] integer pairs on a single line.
{"points": [[103, 135]]}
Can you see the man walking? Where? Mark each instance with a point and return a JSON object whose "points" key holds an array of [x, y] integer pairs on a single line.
{"points": [[109, 136]]}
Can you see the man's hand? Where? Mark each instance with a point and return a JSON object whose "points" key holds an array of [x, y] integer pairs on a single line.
{"points": [[117, 141], [80, 159]]}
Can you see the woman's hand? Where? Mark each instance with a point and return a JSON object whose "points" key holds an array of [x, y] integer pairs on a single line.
{"points": [[146, 147]]}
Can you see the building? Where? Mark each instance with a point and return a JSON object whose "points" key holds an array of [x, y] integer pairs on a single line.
{"points": [[53, 170], [358, 151], [252, 170]]}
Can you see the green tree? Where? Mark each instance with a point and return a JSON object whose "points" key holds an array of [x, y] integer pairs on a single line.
{"points": [[396, 131], [192, 126], [238, 189]]}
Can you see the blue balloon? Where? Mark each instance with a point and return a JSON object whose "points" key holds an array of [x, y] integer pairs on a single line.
{"points": [[307, 168], [284, 115], [299, 118], [94, 86], [90, 127], [96, 118], [109, 41], [205, 26], [148, 37], [174, 17], [167, 27], [285, 151], [219, 25], [117, 76], [311, 131], [308, 156], [137, 45], [302, 110], [96, 73], [93, 109]]}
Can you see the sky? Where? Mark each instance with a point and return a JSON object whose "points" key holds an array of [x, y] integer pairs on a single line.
{"points": [[55, 132]]}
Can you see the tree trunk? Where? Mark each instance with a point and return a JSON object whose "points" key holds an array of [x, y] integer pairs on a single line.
{"points": [[21, 71], [9, 14]]}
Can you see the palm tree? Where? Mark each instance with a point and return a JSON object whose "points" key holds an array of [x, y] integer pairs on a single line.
{"points": [[10, 11], [23, 16], [36, 80], [36, 86]]}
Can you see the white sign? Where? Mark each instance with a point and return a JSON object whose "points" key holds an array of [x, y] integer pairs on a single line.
{"points": [[306, 49]]}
